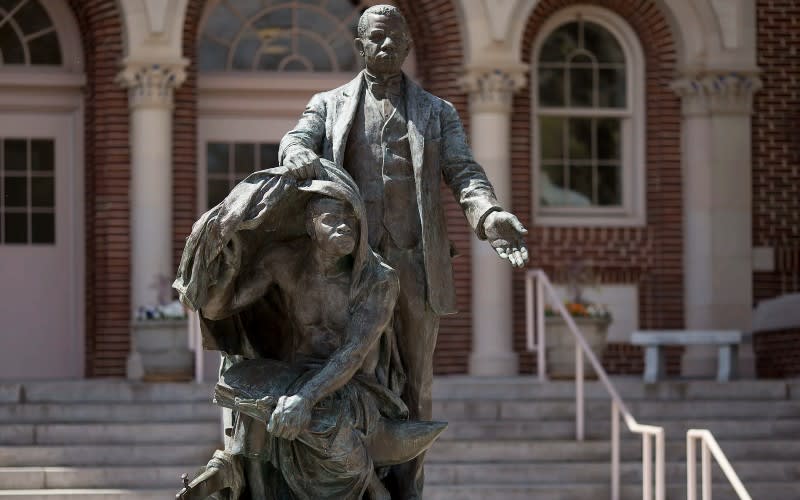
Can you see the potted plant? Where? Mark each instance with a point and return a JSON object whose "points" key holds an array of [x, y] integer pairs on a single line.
{"points": [[592, 320], [160, 343]]}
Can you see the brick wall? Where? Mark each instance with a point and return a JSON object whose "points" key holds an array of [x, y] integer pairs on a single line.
{"points": [[435, 29], [776, 147], [777, 353], [107, 182], [650, 256], [776, 175]]}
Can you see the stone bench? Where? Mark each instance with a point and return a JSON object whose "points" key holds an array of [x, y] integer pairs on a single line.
{"points": [[654, 359]]}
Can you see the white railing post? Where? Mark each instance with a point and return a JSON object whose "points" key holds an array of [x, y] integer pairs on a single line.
{"points": [[705, 463], [661, 487], [529, 313], [691, 468], [541, 337], [579, 400], [647, 467], [615, 468]]}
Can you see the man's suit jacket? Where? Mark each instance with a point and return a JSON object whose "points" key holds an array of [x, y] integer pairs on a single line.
{"points": [[438, 149]]}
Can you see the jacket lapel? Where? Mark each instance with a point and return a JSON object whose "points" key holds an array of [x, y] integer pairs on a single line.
{"points": [[346, 105], [418, 106]]}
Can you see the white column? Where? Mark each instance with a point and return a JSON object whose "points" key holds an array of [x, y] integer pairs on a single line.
{"points": [[151, 102], [717, 202], [490, 94]]}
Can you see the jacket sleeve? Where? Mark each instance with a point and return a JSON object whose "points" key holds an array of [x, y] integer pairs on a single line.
{"points": [[463, 175], [309, 133]]}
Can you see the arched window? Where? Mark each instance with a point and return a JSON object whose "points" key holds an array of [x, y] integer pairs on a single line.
{"points": [[588, 121], [27, 35], [280, 35]]}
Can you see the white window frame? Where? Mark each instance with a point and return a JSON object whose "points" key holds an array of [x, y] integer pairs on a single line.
{"points": [[633, 127]]}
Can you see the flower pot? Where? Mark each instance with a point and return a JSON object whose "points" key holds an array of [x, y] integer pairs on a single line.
{"points": [[160, 351], [560, 348]]}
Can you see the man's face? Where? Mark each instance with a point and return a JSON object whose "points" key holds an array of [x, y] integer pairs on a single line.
{"points": [[385, 45], [335, 229]]}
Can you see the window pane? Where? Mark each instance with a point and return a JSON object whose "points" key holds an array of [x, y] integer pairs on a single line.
{"points": [[602, 43], [32, 18], [244, 157], [612, 88], [45, 49], [16, 227], [43, 228], [248, 7], [580, 185], [43, 192], [11, 46], [15, 154], [551, 87], [608, 139], [609, 185], [580, 138], [222, 24], [560, 43], [244, 57], [281, 18], [16, 191], [316, 53], [269, 156], [551, 137], [581, 82], [314, 21], [551, 186], [42, 155], [217, 157], [217, 191], [346, 55], [298, 65], [212, 56]]}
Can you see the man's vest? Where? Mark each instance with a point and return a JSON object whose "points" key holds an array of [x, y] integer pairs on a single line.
{"points": [[378, 156]]}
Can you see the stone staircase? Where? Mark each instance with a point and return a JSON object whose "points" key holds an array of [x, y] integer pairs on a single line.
{"points": [[508, 438]]}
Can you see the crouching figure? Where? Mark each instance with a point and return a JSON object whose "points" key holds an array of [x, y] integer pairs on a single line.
{"points": [[303, 311]]}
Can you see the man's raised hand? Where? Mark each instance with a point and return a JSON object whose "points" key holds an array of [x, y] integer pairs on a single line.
{"points": [[506, 234]]}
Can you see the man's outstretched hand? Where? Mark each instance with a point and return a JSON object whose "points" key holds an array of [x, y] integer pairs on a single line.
{"points": [[506, 234]]}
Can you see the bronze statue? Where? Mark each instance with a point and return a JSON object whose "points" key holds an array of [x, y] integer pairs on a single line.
{"points": [[302, 309], [398, 142]]}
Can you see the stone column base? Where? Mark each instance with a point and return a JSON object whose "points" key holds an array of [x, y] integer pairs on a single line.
{"points": [[500, 364]]}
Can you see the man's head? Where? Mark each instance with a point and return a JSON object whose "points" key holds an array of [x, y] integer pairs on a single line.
{"points": [[383, 39], [332, 225]]}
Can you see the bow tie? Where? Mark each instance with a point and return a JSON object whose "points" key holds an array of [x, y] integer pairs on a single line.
{"points": [[392, 87]]}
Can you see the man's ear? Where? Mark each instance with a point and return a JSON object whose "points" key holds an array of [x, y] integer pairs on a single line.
{"points": [[359, 46]]}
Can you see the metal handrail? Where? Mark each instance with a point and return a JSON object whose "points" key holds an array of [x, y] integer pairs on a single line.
{"points": [[537, 280], [708, 447]]}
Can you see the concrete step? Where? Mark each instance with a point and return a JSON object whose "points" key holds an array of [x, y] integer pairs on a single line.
{"points": [[112, 433], [108, 390], [594, 491], [601, 429], [435, 474], [596, 451], [78, 455], [108, 412], [629, 388], [32, 478], [631, 472], [472, 409], [89, 494]]}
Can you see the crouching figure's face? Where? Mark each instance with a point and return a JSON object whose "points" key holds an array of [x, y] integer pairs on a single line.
{"points": [[332, 226]]}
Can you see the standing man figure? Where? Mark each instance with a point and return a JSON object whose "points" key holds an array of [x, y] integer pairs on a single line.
{"points": [[398, 142]]}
